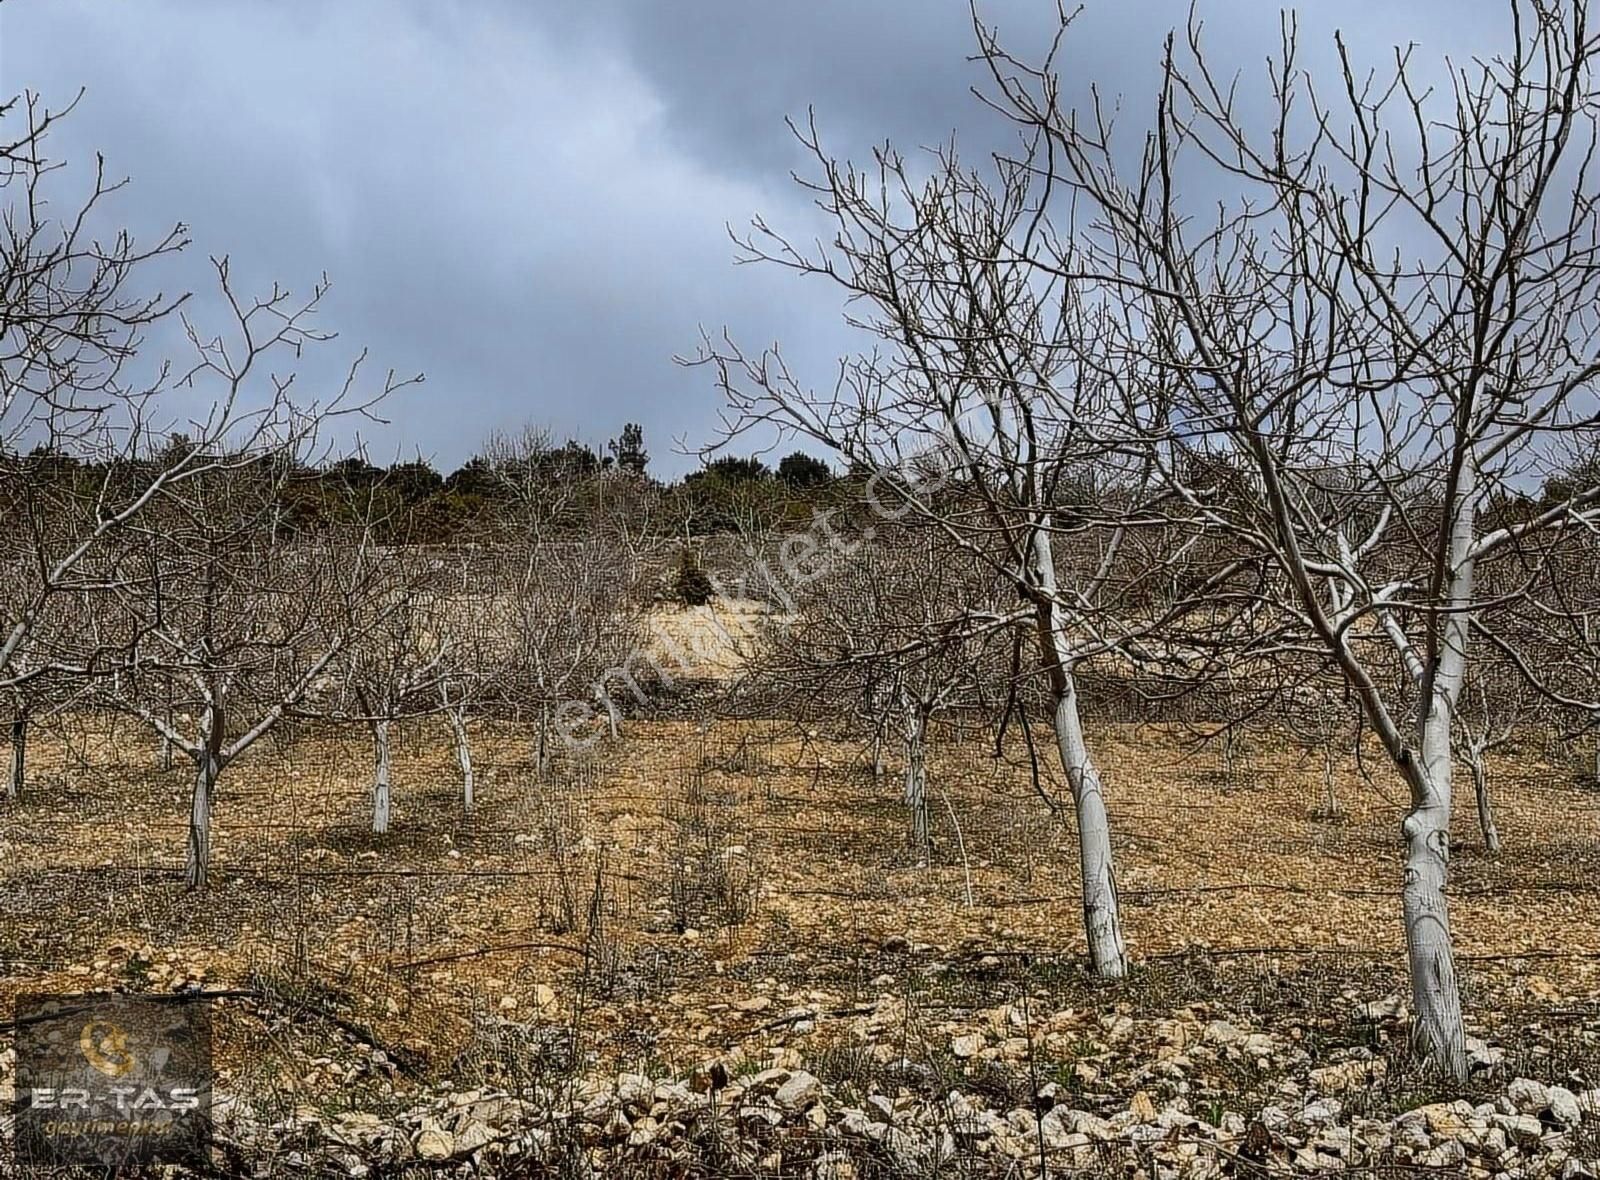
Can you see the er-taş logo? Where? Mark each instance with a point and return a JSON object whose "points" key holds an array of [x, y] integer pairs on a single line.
{"points": [[105, 1046]]}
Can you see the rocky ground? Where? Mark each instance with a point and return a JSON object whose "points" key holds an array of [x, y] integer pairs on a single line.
{"points": [[784, 1121], [898, 1087]]}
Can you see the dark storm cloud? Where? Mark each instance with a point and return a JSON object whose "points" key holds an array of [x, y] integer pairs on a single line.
{"points": [[527, 200]]}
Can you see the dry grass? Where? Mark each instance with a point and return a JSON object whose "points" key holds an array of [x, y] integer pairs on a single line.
{"points": [[605, 896]]}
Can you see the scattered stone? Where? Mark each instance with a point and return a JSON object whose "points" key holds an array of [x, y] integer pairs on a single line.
{"points": [[1541, 988], [1448, 1154], [1439, 1118], [435, 1143], [1221, 1033], [798, 1092], [634, 1089], [966, 1045], [1058, 1132], [1322, 1112], [1528, 1096], [1388, 1008], [1563, 1106], [1483, 1056], [1312, 1116], [1349, 1075], [473, 1136], [1522, 1129]]}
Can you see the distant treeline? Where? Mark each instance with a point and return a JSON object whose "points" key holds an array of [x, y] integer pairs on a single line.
{"points": [[414, 502]]}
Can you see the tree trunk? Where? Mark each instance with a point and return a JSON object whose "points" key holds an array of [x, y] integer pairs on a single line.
{"points": [[543, 759], [19, 756], [916, 779], [1480, 787], [1435, 994], [166, 742], [876, 707], [1102, 920], [380, 778], [458, 726], [1332, 808], [613, 714], [199, 854]]}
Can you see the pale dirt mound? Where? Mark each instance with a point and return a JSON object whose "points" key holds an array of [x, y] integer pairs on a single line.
{"points": [[712, 642]]}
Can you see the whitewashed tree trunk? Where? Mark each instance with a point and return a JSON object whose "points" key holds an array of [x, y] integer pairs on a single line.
{"points": [[1480, 788], [197, 869], [380, 777], [1101, 917], [458, 726], [916, 778], [19, 756], [1332, 808], [1102, 920], [1435, 993], [166, 740], [877, 705]]}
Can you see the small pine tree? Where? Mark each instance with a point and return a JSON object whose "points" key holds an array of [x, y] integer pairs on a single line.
{"points": [[629, 451], [692, 582]]}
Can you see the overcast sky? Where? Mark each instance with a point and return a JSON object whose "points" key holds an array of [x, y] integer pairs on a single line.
{"points": [[528, 201]]}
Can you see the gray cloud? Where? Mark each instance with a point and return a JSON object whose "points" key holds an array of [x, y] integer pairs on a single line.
{"points": [[527, 200]]}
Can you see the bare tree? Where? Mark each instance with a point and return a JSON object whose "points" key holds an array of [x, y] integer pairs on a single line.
{"points": [[222, 614], [1496, 705], [1390, 329], [72, 323], [563, 586], [985, 414], [869, 634], [395, 664], [246, 623], [107, 445], [472, 646], [1323, 719], [73, 318], [43, 675]]}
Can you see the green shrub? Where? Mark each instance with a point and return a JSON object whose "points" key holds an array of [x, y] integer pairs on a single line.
{"points": [[693, 584]]}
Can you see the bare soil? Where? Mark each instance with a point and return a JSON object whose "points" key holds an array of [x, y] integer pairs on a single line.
{"points": [[737, 892]]}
